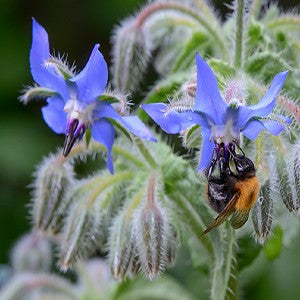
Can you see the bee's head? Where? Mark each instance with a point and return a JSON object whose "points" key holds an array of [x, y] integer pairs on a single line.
{"points": [[244, 166]]}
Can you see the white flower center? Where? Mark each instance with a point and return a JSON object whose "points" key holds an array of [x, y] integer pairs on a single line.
{"points": [[80, 111], [225, 133]]}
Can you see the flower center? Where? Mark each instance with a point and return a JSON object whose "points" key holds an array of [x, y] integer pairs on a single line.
{"points": [[79, 118], [225, 134]]}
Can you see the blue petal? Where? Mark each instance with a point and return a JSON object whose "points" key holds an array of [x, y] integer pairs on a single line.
{"points": [[133, 124], [208, 97], [138, 128], [92, 80], [173, 122], [103, 132], [266, 104], [207, 149], [254, 127], [54, 114], [39, 54]]}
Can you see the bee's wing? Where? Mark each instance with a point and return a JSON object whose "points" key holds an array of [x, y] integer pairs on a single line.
{"points": [[222, 217], [239, 218]]}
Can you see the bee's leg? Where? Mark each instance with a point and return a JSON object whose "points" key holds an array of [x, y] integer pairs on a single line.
{"points": [[209, 170]]}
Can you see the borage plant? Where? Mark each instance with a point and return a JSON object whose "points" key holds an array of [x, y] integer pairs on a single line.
{"points": [[155, 200]]}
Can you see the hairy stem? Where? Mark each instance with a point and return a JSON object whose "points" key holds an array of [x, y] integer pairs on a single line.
{"points": [[255, 8], [289, 21], [160, 6], [145, 152], [108, 182], [238, 60], [223, 280]]}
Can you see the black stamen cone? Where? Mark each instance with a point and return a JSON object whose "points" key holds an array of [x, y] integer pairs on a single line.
{"points": [[70, 138]]}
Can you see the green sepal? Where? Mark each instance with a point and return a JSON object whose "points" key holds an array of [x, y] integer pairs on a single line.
{"points": [[192, 138], [88, 136]]}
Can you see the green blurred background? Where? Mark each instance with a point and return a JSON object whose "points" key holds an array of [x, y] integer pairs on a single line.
{"points": [[74, 26]]}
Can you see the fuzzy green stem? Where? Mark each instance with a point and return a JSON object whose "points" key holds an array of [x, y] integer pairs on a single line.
{"points": [[255, 8], [288, 22], [160, 6], [108, 182], [223, 281], [206, 10], [238, 60], [145, 152]]}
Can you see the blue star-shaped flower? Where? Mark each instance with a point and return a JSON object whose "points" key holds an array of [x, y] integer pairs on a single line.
{"points": [[221, 123], [75, 106]]}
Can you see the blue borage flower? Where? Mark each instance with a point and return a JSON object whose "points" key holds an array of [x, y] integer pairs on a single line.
{"points": [[75, 106], [221, 123]]}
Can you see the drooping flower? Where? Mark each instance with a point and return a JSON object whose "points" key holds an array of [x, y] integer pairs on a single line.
{"points": [[74, 103], [221, 121]]}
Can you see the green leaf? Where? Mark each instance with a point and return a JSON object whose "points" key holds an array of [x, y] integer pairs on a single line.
{"points": [[164, 288], [273, 246], [266, 64], [222, 68], [248, 251]]}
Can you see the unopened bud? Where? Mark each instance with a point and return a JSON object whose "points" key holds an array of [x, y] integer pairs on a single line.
{"points": [[294, 164], [135, 266], [152, 232], [288, 183], [262, 214], [52, 180], [83, 226], [37, 286], [235, 93], [130, 56], [32, 253], [121, 248]]}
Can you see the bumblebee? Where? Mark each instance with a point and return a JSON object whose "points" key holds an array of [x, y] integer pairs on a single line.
{"points": [[232, 193]]}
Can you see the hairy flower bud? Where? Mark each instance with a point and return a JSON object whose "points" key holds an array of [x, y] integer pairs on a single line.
{"points": [[287, 183], [121, 248], [262, 213], [152, 232], [52, 180], [83, 226], [294, 164], [131, 54], [32, 253], [37, 286]]}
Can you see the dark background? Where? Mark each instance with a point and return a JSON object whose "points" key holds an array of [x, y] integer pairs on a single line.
{"points": [[74, 26]]}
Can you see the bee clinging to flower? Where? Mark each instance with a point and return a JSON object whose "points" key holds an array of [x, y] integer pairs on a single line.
{"points": [[222, 120], [232, 192]]}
